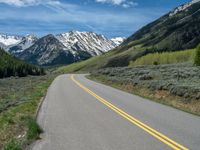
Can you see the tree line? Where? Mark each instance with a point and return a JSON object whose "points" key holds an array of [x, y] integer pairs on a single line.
{"points": [[11, 66]]}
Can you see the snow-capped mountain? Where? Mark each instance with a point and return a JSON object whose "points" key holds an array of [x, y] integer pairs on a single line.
{"points": [[118, 40], [94, 44], [183, 7], [63, 48], [8, 40], [25, 43]]}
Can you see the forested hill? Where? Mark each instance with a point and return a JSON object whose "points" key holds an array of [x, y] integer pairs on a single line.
{"points": [[10, 66]]}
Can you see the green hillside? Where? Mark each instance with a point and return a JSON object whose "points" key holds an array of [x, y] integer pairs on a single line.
{"points": [[176, 32], [10, 66]]}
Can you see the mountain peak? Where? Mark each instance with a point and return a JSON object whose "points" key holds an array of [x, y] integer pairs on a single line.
{"points": [[29, 37], [49, 36], [93, 43]]}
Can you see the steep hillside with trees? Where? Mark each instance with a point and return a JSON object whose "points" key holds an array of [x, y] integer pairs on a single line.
{"points": [[10, 66]]}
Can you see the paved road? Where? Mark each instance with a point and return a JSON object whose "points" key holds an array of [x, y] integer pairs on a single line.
{"points": [[79, 114]]}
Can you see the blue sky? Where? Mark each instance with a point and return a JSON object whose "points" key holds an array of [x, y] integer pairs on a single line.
{"points": [[112, 18]]}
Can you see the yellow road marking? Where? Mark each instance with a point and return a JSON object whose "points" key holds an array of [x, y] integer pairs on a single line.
{"points": [[174, 145]]}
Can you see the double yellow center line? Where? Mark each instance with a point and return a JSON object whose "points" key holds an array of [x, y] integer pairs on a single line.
{"points": [[174, 145]]}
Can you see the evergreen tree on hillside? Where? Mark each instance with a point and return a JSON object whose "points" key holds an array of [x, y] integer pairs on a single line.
{"points": [[197, 56], [10, 66]]}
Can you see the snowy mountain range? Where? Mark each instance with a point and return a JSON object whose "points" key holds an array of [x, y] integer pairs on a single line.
{"points": [[63, 48]]}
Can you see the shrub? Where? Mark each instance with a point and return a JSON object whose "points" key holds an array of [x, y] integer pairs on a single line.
{"points": [[155, 63], [197, 56]]}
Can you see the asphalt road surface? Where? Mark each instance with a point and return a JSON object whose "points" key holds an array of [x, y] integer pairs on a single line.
{"points": [[80, 114]]}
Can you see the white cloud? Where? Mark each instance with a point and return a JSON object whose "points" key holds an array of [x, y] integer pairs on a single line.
{"points": [[129, 4], [123, 3], [23, 3], [115, 2]]}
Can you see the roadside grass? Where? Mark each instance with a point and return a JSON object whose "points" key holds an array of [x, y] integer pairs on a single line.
{"points": [[165, 58], [19, 99]]}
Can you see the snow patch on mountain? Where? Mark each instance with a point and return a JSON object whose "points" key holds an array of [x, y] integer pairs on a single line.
{"points": [[118, 40], [183, 7], [8, 40]]}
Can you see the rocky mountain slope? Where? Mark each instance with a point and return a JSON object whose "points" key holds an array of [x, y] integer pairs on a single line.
{"points": [[63, 48], [177, 30], [24, 43], [90, 42]]}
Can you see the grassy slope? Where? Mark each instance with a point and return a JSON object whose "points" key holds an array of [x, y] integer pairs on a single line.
{"points": [[19, 99], [87, 65]]}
